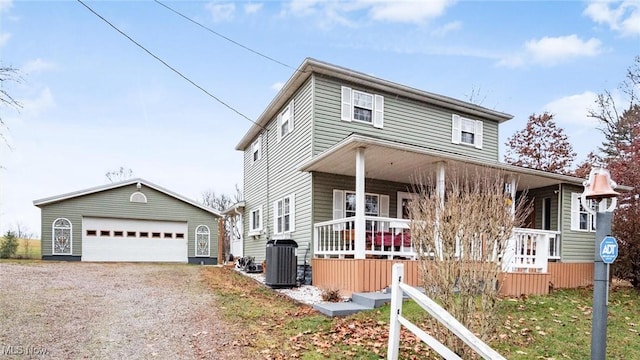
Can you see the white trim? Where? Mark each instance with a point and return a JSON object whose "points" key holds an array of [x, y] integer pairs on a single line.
{"points": [[292, 215], [286, 116], [138, 194], [256, 146], [378, 111], [97, 189], [346, 110], [576, 205], [195, 241], [257, 230], [53, 236], [458, 124]]}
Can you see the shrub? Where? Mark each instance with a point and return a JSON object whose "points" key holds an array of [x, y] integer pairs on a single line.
{"points": [[331, 295], [9, 245]]}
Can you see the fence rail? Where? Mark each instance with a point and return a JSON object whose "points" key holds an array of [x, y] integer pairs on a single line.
{"points": [[398, 289]]}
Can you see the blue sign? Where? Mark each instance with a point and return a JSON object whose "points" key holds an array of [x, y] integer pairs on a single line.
{"points": [[608, 249]]}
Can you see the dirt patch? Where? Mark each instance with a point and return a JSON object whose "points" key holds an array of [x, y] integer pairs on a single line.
{"points": [[90, 310]]}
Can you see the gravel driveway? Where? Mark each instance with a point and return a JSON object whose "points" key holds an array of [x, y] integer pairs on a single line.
{"points": [[71, 310]]}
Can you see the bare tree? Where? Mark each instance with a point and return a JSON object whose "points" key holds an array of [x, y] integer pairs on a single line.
{"points": [[120, 174], [222, 202], [461, 240], [8, 74]]}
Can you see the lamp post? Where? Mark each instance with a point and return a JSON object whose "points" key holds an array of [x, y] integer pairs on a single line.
{"points": [[599, 187]]}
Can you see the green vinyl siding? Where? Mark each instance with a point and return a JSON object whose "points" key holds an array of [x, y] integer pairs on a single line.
{"points": [[405, 120], [276, 175], [114, 203], [576, 246], [537, 196]]}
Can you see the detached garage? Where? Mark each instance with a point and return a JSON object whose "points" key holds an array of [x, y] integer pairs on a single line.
{"points": [[129, 221]]}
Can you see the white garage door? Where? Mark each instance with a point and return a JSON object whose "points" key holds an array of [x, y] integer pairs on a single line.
{"points": [[105, 239]]}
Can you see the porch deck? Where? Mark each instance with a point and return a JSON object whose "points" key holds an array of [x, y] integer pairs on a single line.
{"points": [[338, 264]]}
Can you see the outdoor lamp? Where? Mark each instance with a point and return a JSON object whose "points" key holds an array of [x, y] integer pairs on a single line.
{"points": [[599, 186]]}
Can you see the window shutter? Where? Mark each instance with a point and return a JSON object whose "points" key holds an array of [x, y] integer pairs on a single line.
{"points": [[384, 211], [276, 222], [279, 122], [259, 218], [347, 108], [378, 111], [291, 112], [384, 205], [455, 129], [292, 212], [478, 134], [575, 211], [338, 208]]}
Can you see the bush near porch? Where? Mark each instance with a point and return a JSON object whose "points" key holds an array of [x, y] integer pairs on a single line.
{"points": [[555, 326]]}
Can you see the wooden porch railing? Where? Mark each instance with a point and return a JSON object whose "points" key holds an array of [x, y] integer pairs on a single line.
{"points": [[528, 250]]}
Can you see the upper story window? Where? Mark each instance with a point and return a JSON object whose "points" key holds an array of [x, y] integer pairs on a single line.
{"points": [[256, 149], [138, 197], [255, 221], [362, 107], [466, 131], [62, 237], [285, 121], [284, 215]]}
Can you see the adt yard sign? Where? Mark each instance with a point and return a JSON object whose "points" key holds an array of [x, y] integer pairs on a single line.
{"points": [[608, 249]]}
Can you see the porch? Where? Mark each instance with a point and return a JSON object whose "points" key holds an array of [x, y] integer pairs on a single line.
{"points": [[340, 262]]}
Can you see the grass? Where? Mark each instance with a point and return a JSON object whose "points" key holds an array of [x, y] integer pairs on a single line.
{"points": [[31, 251], [556, 326]]}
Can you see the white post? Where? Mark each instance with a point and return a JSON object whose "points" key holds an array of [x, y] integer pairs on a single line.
{"points": [[360, 223], [513, 194], [440, 180], [397, 273]]}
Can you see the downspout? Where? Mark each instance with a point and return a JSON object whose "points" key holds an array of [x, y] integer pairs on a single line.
{"points": [[241, 232], [560, 208], [266, 146]]}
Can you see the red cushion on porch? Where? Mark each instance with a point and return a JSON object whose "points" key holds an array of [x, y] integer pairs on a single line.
{"points": [[390, 239]]}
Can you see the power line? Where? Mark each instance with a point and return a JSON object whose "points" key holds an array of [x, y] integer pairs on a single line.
{"points": [[227, 38], [169, 66]]}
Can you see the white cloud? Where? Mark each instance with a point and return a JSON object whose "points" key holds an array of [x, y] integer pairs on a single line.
{"points": [[550, 51], [221, 12], [447, 28], [277, 86], [623, 17], [252, 8], [303, 7], [37, 65], [5, 5], [32, 108], [4, 38], [573, 109], [407, 11]]}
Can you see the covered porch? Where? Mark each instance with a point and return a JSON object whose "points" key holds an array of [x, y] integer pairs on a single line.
{"points": [[368, 244]]}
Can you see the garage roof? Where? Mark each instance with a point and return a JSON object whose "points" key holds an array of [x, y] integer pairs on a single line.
{"points": [[57, 198]]}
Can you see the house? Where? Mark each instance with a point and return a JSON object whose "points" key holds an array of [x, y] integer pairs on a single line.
{"points": [[132, 220], [332, 158]]}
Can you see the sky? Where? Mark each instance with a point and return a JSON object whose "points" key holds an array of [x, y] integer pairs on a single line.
{"points": [[93, 101]]}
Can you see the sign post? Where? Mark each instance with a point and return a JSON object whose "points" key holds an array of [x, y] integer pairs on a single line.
{"points": [[606, 252]]}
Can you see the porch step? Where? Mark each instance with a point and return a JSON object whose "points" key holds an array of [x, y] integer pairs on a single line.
{"points": [[332, 309], [372, 299]]}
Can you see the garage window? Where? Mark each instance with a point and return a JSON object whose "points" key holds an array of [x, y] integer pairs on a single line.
{"points": [[179, 236], [168, 235], [118, 233], [105, 233], [91, 233], [131, 234], [144, 234], [62, 237], [155, 235], [202, 240]]}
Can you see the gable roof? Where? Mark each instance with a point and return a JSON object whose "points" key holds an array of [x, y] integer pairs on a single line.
{"points": [[93, 190], [310, 66]]}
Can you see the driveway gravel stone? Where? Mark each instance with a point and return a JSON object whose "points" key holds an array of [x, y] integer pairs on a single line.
{"points": [[73, 310]]}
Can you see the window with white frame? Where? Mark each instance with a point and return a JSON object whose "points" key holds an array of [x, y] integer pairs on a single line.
{"points": [[285, 121], [284, 215], [466, 131], [255, 221], [202, 240], [256, 149], [344, 205], [62, 237], [581, 219], [362, 107]]}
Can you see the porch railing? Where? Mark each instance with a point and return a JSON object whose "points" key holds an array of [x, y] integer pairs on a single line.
{"points": [[528, 250], [384, 238]]}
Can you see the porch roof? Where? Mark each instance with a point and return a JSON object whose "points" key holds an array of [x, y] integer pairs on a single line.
{"points": [[399, 162]]}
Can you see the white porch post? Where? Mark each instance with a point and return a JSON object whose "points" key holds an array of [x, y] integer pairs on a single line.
{"points": [[512, 182], [360, 222], [440, 181]]}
